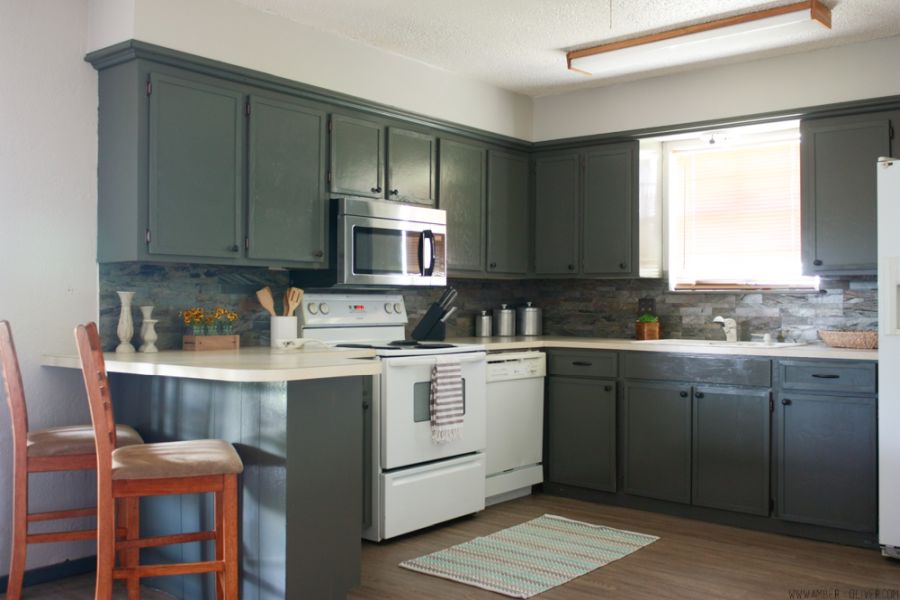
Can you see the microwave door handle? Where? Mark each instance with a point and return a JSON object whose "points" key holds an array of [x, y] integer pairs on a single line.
{"points": [[430, 236]]}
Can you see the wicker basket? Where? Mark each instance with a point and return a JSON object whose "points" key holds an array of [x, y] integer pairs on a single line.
{"points": [[863, 340]]}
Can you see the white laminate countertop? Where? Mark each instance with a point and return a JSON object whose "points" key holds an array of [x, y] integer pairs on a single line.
{"points": [[243, 365], [496, 344]]}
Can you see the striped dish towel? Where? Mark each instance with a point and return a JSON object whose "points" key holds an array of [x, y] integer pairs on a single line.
{"points": [[447, 404]]}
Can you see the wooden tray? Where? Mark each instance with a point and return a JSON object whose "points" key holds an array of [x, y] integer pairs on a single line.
{"points": [[210, 342]]}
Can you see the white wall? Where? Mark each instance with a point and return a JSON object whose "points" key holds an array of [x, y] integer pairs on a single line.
{"points": [[232, 33], [48, 224], [852, 72]]}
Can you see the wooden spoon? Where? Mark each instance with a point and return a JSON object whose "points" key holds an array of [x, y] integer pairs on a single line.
{"points": [[292, 299], [265, 299]]}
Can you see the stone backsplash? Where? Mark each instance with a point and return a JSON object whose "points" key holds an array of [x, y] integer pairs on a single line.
{"points": [[596, 308]]}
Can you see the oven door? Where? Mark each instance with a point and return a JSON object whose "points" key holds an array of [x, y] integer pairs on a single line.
{"points": [[391, 252], [405, 416]]}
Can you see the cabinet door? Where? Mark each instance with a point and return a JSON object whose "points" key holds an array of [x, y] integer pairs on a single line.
{"points": [[357, 157], [195, 168], [508, 239], [581, 432], [462, 187], [286, 211], [609, 225], [556, 214], [412, 166], [826, 462], [839, 195], [731, 449], [657, 444]]}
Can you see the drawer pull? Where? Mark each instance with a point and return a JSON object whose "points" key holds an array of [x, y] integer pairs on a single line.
{"points": [[786, 402], [607, 388], [826, 376], [582, 363], [683, 394]]}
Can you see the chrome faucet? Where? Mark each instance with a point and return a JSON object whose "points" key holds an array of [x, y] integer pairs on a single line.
{"points": [[730, 327]]}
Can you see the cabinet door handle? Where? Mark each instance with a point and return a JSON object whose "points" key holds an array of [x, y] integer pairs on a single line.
{"points": [[698, 394], [826, 376], [683, 394], [582, 363], [493, 265], [571, 267], [786, 401], [235, 248], [607, 388], [319, 253], [622, 265], [394, 192], [817, 262], [376, 190], [366, 405]]}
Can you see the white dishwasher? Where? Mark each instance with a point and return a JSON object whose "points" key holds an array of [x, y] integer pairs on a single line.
{"points": [[515, 424]]}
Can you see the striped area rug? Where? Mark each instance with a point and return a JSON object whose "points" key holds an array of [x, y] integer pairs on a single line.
{"points": [[531, 558]]}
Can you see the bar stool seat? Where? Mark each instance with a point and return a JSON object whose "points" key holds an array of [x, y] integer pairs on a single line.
{"points": [[73, 439], [194, 458]]}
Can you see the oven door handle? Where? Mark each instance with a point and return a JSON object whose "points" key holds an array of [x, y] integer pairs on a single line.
{"points": [[468, 357], [432, 253]]}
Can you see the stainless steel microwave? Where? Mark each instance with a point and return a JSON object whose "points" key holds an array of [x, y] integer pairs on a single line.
{"points": [[385, 244]]}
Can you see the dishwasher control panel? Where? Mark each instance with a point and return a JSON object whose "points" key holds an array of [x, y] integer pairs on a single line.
{"points": [[516, 365]]}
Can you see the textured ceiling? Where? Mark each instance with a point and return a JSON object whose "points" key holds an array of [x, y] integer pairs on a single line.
{"points": [[520, 45]]}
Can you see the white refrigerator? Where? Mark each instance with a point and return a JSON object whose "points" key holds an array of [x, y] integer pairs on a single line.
{"points": [[889, 356]]}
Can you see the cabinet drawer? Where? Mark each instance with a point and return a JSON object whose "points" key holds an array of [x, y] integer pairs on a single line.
{"points": [[729, 370], [830, 376], [582, 363]]}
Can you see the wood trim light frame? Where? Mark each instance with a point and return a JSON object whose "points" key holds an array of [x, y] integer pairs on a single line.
{"points": [[695, 41]]}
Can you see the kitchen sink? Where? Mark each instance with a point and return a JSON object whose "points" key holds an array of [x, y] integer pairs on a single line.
{"points": [[720, 343]]}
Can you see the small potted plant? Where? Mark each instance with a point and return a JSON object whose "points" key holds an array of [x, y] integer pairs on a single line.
{"points": [[647, 327], [209, 329]]}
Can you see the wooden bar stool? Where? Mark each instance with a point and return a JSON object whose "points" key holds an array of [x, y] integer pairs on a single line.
{"points": [[192, 467], [42, 451]]}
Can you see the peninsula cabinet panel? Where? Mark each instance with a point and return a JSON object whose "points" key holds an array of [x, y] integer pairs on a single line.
{"points": [[581, 431], [731, 449], [286, 203], [557, 194], [463, 189], [657, 440], [839, 195], [609, 235], [508, 239], [196, 139], [357, 157], [827, 460], [412, 166]]}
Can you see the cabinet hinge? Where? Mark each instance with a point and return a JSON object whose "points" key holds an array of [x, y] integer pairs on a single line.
{"points": [[149, 87], [328, 176], [771, 404], [246, 243], [771, 505], [247, 108], [330, 124], [891, 131], [147, 236]]}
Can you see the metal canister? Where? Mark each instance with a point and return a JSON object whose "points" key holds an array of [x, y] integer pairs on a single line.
{"points": [[504, 321], [529, 320], [483, 324]]}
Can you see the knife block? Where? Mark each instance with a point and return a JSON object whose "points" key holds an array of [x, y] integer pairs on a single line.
{"points": [[430, 327]]}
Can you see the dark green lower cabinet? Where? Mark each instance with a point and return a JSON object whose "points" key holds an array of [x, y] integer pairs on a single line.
{"points": [[731, 449], [826, 462], [657, 440], [581, 424]]}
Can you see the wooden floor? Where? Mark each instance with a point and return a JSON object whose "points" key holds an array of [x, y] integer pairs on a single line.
{"points": [[692, 559], [82, 588]]}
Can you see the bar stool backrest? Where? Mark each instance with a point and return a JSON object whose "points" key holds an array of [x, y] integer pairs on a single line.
{"points": [[15, 391]]}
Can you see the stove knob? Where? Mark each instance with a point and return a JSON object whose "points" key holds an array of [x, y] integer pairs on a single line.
{"points": [[387, 307], [323, 308], [398, 308], [312, 308]]}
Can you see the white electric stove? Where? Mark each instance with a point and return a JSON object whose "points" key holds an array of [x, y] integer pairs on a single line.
{"points": [[410, 481]]}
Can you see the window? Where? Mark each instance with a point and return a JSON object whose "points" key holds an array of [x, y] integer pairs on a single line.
{"points": [[732, 199]]}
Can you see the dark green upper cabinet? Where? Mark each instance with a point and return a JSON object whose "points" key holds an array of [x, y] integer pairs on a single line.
{"points": [[557, 194], [196, 139], [462, 194], [838, 192], [357, 157], [286, 202], [412, 166], [508, 240], [610, 211]]}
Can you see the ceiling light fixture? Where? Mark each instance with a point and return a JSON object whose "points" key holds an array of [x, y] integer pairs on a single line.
{"points": [[727, 36]]}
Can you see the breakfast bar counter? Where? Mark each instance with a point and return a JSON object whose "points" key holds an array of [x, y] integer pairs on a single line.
{"points": [[296, 420]]}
